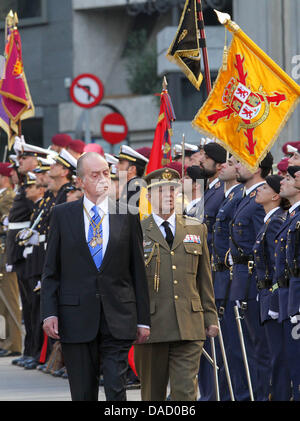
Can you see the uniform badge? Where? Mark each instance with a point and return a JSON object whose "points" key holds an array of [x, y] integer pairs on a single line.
{"points": [[195, 239], [293, 213], [231, 196], [253, 194], [217, 185]]}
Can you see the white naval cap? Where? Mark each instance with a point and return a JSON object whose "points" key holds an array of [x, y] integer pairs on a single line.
{"points": [[30, 178], [129, 154], [112, 160], [189, 149], [66, 159], [22, 148]]}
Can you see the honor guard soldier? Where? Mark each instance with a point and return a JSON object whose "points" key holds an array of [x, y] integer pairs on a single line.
{"points": [[61, 175], [285, 265], [29, 237], [245, 225], [11, 342], [76, 148], [19, 218], [222, 282], [268, 196], [210, 165], [131, 168], [182, 304]]}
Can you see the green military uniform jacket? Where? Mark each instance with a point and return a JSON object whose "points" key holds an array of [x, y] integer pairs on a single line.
{"points": [[6, 201], [181, 292]]}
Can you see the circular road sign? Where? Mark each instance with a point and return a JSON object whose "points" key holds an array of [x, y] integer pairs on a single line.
{"points": [[87, 90], [114, 128]]}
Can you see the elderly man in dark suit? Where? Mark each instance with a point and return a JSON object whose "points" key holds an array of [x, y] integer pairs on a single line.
{"points": [[94, 293]]}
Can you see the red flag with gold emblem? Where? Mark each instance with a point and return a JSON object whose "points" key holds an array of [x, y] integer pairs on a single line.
{"points": [[161, 153]]}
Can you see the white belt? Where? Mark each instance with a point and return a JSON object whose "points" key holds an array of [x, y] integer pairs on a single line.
{"points": [[18, 225], [42, 238]]}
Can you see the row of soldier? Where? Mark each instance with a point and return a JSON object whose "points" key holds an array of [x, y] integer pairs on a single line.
{"points": [[252, 238]]}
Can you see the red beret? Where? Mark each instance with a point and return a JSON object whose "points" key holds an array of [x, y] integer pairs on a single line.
{"points": [[176, 166], [61, 139], [283, 165], [294, 144], [77, 146], [5, 169], [146, 151], [94, 147]]}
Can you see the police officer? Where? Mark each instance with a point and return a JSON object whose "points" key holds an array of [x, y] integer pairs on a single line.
{"points": [[131, 168], [264, 248], [245, 225], [285, 270], [181, 295]]}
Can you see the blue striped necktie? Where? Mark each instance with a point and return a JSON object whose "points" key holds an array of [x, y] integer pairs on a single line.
{"points": [[96, 251]]}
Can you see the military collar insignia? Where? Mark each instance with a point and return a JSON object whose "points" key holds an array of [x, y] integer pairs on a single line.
{"points": [[231, 196], [252, 194], [292, 214], [217, 185]]}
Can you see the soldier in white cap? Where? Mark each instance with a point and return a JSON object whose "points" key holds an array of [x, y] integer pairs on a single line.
{"points": [[133, 164]]}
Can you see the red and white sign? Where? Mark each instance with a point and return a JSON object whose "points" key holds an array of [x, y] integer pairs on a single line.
{"points": [[114, 128], [87, 90]]}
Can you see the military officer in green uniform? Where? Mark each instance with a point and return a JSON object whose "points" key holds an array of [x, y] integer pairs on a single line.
{"points": [[181, 293]]}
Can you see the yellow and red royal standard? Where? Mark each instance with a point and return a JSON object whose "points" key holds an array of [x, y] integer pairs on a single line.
{"points": [[250, 102]]}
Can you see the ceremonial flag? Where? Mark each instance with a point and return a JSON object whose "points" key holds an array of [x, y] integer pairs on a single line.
{"points": [[16, 103], [161, 152], [185, 48], [250, 103]]}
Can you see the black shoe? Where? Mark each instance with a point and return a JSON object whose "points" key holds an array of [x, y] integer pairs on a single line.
{"points": [[59, 373], [40, 367], [31, 365], [7, 353], [133, 384], [16, 361], [25, 361]]}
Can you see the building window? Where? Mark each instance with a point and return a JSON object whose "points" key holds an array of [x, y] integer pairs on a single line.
{"points": [[29, 12]]}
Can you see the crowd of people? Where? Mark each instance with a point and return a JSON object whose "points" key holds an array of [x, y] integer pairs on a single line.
{"points": [[232, 252]]}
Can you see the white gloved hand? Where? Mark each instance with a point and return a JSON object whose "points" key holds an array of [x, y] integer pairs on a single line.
{"points": [[34, 239], [273, 314], [5, 222], [8, 268], [295, 319]]}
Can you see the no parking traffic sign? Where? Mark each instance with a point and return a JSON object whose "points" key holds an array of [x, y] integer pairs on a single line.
{"points": [[87, 90]]}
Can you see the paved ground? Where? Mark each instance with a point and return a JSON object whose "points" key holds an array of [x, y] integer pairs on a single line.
{"points": [[18, 384]]}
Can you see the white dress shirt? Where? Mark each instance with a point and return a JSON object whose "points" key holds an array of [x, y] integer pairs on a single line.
{"points": [[254, 187], [159, 221], [270, 213], [102, 210]]}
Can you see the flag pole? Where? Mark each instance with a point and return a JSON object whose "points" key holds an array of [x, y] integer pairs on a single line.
{"points": [[203, 46]]}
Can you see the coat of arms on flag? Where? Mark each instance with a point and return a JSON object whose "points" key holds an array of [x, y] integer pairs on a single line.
{"points": [[250, 103]]}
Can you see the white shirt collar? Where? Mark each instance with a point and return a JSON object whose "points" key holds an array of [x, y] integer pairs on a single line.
{"points": [[295, 205], [270, 213], [230, 189], [102, 207], [254, 187], [158, 220], [210, 186]]}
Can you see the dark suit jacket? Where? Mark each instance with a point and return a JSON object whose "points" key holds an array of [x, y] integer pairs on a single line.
{"points": [[74, 290]]}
